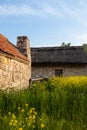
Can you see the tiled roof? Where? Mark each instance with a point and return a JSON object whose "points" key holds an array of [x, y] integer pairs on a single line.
{"points": [[7, 47]]}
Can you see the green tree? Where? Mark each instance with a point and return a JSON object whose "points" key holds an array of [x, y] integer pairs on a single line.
{"points": [[65, 44], [85, 46]]}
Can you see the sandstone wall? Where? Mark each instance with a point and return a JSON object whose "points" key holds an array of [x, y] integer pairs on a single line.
{"points": [[14, 72], [49, 71]]}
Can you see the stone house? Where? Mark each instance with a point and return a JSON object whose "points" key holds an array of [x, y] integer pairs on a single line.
{"points": [[58, 61], [15, 67], [15, 62]]}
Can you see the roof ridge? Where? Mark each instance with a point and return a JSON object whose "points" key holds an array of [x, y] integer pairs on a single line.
{"points": [[57, 48]]}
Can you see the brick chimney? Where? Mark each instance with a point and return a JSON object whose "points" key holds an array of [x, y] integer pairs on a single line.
{"points": [[23, 44]]}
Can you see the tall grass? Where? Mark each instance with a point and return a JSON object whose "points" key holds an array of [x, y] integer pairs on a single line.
{"points": [[60, 103]]}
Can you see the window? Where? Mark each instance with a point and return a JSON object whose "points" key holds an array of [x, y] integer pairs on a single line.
{"points": [[58, 72]]}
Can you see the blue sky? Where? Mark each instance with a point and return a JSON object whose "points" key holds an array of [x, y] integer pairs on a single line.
{"points": [[45, 22]]}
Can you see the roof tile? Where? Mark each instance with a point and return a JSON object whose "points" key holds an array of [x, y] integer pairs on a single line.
{"points": [[7, 47]]}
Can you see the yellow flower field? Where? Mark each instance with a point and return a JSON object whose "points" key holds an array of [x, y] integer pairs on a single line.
{"points": [[57, 104]]}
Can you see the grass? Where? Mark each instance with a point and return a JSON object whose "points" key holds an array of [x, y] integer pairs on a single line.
{"points": [[59, 104]]}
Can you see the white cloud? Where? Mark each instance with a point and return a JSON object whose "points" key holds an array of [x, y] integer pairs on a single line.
{"points": [[27, 10], [47, 9], [63, 10], [76, 11], [16, 10]]}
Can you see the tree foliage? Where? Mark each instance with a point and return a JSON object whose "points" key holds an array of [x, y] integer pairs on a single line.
{"points": [[65, 44], [85, 46]]}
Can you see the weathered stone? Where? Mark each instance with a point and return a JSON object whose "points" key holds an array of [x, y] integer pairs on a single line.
{"points": [[49, 71], [10, 74]]}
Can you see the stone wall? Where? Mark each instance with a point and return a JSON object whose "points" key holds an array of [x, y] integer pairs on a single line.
{"points": [[49, 71], [14, 72]]}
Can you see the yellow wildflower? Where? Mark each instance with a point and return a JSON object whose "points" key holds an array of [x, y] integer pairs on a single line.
{"points": [[20, 129], [12, 120], [26, 105], [9, 113], [33, 109], [30, 117], [35, 113], [33, 126], [29, 124], [10, 123], [30, 111], [42, 125], [13, 116], [18, 108], [15, 121], [22, 110], [14, 124], [34, 117]]}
